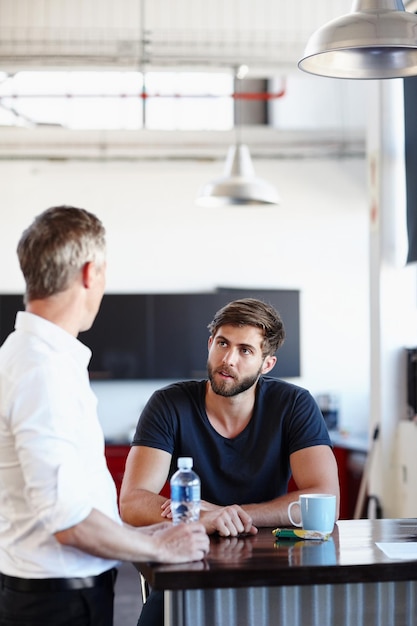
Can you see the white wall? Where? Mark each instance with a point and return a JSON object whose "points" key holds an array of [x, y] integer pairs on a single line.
{"points": [[158, 240]]}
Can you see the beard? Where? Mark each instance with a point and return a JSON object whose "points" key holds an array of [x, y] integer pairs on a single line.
{"points": [[223, 388]]}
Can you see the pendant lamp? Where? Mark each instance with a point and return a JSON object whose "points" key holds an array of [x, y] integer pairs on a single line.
{"points": [[238, 185], [378, 39]]}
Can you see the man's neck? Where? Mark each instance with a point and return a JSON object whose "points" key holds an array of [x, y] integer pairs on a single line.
{"points": [[60, 309], [229, 416]]}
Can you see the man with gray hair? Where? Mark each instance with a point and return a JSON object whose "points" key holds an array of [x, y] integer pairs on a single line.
{"points": [[61, 537]]}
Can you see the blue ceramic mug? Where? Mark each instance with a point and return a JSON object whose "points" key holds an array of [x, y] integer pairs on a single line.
{"points": [[317, 512]]}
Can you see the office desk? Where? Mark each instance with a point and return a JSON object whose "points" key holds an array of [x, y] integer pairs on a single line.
{"points": [[257, 581]]}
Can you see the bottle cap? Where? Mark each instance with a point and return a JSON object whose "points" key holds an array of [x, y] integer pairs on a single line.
{"points": [[185, 462]]}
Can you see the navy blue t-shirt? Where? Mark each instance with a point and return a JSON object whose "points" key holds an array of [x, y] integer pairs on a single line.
{"points": [[250, 468]]}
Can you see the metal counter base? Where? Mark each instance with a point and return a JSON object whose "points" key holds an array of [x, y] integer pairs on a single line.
{"points": [[365, 574], [357, 604]]}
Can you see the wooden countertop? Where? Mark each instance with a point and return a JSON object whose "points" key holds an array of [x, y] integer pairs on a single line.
{"points": [[350, 555]]}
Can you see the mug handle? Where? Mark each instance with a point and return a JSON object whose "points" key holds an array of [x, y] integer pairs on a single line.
{"points": [[289, 513]]}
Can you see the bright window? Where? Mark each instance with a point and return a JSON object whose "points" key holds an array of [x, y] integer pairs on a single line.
{"points": [[117, 100]]}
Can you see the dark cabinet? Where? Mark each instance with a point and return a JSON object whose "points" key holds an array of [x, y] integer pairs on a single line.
{"points": [[181, 334], [119, 338], [164, 336], [10, 304]]}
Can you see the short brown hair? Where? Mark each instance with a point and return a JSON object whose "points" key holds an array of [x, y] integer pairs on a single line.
{"points": [[252, 312], [55, 247]]}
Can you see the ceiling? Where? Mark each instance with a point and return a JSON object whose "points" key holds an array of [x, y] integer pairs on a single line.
{"points": [[267, 35]]}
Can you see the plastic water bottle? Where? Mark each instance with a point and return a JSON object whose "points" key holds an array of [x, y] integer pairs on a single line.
{"points": [[185, 492]]}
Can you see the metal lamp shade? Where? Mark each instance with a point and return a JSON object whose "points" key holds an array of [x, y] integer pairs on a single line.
{"points": [[378, 39], [239, 185]]}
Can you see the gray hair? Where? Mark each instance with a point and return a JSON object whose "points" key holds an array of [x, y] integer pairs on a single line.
{"points": [[55, 247]]}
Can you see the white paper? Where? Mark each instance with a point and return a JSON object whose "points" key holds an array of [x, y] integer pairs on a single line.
{"points": [[399, 550]]}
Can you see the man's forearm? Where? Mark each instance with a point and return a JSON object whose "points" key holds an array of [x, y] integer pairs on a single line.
{"points": [[141, 508], [271, 513], [275, 512], [99, 535]]}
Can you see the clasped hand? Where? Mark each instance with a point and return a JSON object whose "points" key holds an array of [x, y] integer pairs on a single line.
{"points": [[228, 521]]}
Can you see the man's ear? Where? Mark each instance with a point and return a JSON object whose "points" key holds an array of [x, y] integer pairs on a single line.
{"points": [[269, 363], [210, 342], [87, 274]]}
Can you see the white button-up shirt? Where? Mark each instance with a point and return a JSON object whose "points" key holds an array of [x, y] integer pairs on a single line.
{"points": [[53, 471]]}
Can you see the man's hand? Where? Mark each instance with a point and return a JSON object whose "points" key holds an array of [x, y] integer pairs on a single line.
{"points": [[180, 543], [228, 521]]}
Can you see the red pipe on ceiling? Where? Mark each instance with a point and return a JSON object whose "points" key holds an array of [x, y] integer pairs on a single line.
{"points": [[245, 95]]}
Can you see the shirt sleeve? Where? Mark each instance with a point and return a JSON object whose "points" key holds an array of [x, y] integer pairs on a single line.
{"points": [[305, 424], [156, 427], [47, 420]]}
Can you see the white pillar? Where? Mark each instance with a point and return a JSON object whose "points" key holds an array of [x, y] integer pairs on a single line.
{"points": [[393, 302]]}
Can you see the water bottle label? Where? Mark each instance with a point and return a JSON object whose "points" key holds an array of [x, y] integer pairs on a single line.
{"points": [[185, 493]]}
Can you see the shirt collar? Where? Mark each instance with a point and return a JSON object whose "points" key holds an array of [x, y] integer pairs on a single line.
{"points": [[53, 335]]}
